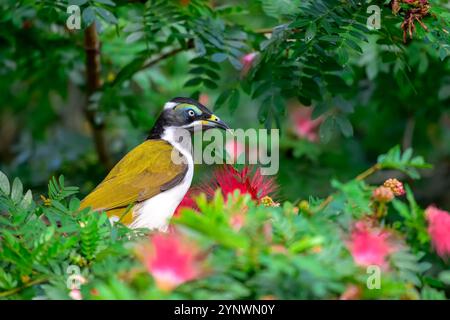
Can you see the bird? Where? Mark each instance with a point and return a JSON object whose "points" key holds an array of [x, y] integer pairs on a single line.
{"points": [[146, 186]]}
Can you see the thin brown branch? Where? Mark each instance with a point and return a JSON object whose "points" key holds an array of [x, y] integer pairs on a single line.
{"points": [[408, 133], [94, 83], [264, 30], [359, 177], [26, 285], [368, 172], [151, 62]]}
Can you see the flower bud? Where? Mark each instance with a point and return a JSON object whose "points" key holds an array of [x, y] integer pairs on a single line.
{"points": [[383, 194], [395, 185]]}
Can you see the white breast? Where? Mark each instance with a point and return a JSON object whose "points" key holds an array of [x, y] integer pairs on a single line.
{"points": [[156, 212]]}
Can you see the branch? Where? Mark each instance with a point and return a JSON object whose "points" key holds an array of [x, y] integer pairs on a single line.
{"points": [[368, 172], [264, 30], [26, 285], [408, 133], [360, 177], [93, 83], [152, 62]]}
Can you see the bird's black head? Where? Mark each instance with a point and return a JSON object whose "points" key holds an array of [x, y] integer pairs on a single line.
{"points": [[185, 113]]}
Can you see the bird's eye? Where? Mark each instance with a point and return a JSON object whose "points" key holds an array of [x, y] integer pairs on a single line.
{"points": [[191, 113]]}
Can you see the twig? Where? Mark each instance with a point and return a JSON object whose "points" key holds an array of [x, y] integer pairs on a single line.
{"points": [[264, 30], [94, 83], [408, 133], [26, 285], [368, 172], [359, 177], [152, 62]]}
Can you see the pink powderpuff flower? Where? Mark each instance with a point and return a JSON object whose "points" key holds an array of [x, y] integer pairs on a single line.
{"points": [[187, 202], [234, 149], [204, 99], [352, 292], [170, 259], [77, 281], [439, 230], [247, 62], [303, 124], [370, 245], [75, 294], [237, 220]]}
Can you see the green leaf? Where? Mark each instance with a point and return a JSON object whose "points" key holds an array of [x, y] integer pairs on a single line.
{"points": [[327, 129], [106, 15], [135, 36], [393, 159], [219, 57], [443, 53], [343, 56], [235, 62], [345, 125], [222, 98], [352, 44], [429, 293], [17, 190], [88, 15], [4, 184], [234, 100], [74, 204], [27, 200], [210, 84], [107, 2], [444, 276], [310, 32], [193, 82], [77, 2]]}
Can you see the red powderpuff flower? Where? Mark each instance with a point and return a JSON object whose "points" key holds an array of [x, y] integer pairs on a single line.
{"points": [[228, 179], [170, 259], [187, 202], [439, 230], [370, 246]]}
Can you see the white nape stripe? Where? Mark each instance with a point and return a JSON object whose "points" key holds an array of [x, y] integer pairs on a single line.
{"points": [[170, 105], [156, 212]]}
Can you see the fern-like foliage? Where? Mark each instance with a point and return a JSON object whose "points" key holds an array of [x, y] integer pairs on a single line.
{"points": [[58, 191], [405, 162]]}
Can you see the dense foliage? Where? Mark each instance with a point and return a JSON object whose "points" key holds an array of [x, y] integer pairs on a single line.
{"points": [[75, 100], [232, 247]]}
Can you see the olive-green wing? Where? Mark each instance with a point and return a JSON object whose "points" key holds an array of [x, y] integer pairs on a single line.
{"points": [[144, 172]]}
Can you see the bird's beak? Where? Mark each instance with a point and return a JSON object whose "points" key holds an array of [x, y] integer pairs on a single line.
{"points": [[214, 122]]}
